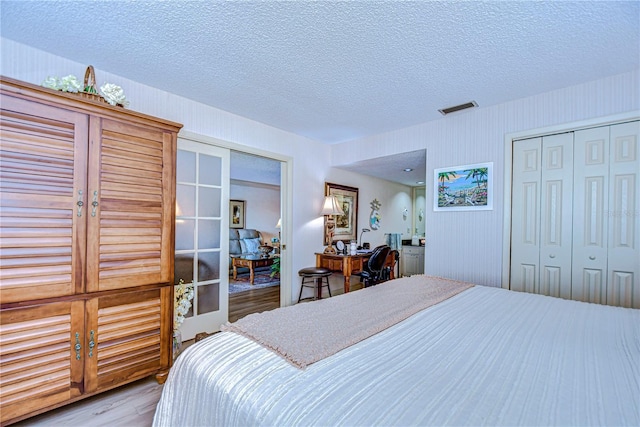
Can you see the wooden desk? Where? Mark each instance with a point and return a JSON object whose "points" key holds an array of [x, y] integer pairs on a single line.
{"points": [[345, 264]]}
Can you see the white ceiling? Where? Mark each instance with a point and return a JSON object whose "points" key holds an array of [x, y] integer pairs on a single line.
{"points": [[251, 168], [337, 71], [392, 168]]}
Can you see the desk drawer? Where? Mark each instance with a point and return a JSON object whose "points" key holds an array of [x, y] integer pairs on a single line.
{"points": [[332, 264], [356, 264]]}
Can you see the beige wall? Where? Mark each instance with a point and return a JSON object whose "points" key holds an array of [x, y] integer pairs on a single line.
{"points": [[393, 198], [262, 206], [468, 245]]}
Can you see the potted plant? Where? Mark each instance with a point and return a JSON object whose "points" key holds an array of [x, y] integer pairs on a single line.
{"points": [[275, 267]]}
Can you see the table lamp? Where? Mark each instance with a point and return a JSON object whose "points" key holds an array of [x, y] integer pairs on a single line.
{"points": [[364, 230], [330, 208]]}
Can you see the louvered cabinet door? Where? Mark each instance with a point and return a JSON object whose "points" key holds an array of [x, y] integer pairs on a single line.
{"points": [[40, 366], [43, 161], [131, 332], [132, 194]]}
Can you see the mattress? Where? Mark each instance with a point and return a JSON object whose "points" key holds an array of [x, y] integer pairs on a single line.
{"points": [[486, 356]]}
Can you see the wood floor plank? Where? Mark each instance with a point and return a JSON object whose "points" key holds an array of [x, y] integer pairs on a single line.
{"points": [[253, 301], [130, 405]]}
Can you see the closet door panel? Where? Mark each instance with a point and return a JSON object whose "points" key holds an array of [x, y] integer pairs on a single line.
{"points": [[623, 279], [556, 215], [590, 219], [43, 163], [592, 286], [132, 187], [525, 227]]}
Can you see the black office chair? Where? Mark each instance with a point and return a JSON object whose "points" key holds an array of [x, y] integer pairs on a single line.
{"points": [[374, 269]]}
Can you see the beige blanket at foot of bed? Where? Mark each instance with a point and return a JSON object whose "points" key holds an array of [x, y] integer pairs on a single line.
{"points": [[306, 333]]}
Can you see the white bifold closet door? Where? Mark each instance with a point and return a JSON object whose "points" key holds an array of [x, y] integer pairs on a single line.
{"points": [[575, 215], [541, 215]]}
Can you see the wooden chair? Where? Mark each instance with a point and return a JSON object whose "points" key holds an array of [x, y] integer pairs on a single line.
{"points": [[389, 272]]}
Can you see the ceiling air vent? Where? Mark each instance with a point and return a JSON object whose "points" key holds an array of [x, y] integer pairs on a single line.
{"points": [[455, 108]]}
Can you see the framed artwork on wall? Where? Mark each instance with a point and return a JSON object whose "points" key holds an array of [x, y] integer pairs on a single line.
{"points": [[463, 188], [236, 214], [346, 228]]}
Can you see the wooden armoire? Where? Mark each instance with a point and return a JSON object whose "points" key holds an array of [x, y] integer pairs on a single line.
{"points": [[87, 196]]}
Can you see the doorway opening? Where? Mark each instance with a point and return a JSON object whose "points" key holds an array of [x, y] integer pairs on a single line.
{"points": [[215, 206], [254, 234]]}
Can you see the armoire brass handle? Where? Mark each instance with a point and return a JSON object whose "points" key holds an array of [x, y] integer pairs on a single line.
{"points": [[80, 203], [94, 203], [77, 347], [91, 343]]}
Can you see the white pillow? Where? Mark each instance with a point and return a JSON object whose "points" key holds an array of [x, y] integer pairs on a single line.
{"points": [[250, 245]]}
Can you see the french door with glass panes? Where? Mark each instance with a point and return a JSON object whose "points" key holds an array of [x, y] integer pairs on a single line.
{"points": [[202, 230]]}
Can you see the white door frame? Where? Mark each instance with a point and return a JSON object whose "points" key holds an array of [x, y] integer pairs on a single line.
{"points": [[509, 139], [286, 198], [210, 321]]}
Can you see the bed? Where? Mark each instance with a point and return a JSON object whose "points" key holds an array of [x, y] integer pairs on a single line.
{"points": [[483, 356]]}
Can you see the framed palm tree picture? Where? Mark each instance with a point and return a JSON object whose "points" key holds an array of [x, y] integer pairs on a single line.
{"points": [[463, 188]]}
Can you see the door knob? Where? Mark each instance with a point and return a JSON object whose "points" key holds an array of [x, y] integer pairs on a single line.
{"points": [[592, 257]]}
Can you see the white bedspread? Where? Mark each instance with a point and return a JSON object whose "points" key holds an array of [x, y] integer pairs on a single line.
{"points": [[484, 357]]}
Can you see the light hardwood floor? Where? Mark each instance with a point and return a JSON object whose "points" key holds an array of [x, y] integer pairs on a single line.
{"points": [[253, 301], [134, 405], [130, 405]]}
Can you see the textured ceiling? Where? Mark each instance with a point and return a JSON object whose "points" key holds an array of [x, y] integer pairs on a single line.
{"points": [[337, 71], [251, 168], [392, 168], [247, 167]]}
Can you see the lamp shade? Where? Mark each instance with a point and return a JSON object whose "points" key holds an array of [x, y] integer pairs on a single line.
{"points": [[331, 206]]}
